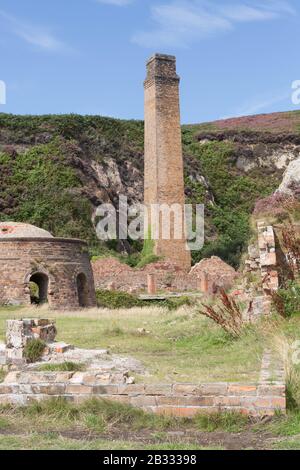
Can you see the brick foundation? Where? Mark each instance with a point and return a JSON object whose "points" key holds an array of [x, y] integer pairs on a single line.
{"points": [[264, 398]]}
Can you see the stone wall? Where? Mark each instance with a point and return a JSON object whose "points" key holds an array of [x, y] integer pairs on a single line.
{"points": [[60, 260]]}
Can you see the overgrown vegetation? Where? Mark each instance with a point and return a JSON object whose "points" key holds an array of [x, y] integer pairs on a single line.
{"points": [[34, 349], [234, 194], [291, 242], [287, 300], [227, 314], [44, 160], [66, 366], [112, 299], [116, 299]]}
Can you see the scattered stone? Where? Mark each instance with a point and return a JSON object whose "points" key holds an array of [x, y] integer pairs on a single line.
{"points": [[130, 380], [143, 331], [60, 348]]}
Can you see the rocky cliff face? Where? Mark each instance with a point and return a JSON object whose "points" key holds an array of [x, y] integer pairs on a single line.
{"points": [[75, 163]]}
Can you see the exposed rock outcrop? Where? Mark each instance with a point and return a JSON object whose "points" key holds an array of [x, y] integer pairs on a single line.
{"points": [[291, 177]]}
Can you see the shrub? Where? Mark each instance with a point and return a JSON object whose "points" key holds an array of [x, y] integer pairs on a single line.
{"points": [[34, 349], [228, 315], [116, 299], [174, 304], [287, 301]]}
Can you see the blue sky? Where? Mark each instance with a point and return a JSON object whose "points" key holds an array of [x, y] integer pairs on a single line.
{"points": [[235, 57]]}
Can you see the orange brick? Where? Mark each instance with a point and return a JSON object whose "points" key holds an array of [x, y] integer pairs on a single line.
{"points": [[242, 389]]}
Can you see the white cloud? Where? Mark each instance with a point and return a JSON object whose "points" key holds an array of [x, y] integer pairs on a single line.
{"points": [[31, 34], [180, 22], [259, 104], [119, 3]]}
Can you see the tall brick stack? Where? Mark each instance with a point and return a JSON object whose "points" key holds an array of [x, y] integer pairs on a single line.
{"points": [[164, 182]]}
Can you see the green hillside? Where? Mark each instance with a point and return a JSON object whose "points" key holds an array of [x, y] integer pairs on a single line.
{"points": [[52, 172]]}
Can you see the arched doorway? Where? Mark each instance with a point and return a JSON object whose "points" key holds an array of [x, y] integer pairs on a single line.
{"points": [[38, 284], [82, 290]]}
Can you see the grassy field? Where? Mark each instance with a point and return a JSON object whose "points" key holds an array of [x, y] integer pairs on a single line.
{"points": [[100, 425], [179, 346]]}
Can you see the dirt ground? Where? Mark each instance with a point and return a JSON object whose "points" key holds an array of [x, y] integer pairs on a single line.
{"points": [[246, 440]]}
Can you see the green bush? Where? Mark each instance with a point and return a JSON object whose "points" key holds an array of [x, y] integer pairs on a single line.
{"points": [[147, 260], [290, 297], [34, 349], [116, 299], [173, 303]]}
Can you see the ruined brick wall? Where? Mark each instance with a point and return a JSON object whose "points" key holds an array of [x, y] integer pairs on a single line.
{"points": [[263, 257], [164, 182], [111, 272], [169, 276], [178, 399], [60, 260]]}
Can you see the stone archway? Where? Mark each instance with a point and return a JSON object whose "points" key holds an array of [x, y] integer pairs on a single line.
{"points": [[82, 290], [39, 285]]}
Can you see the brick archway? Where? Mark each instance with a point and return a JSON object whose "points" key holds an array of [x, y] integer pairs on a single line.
{"points": [[41, 281], [82, 290], [44, 283]]}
